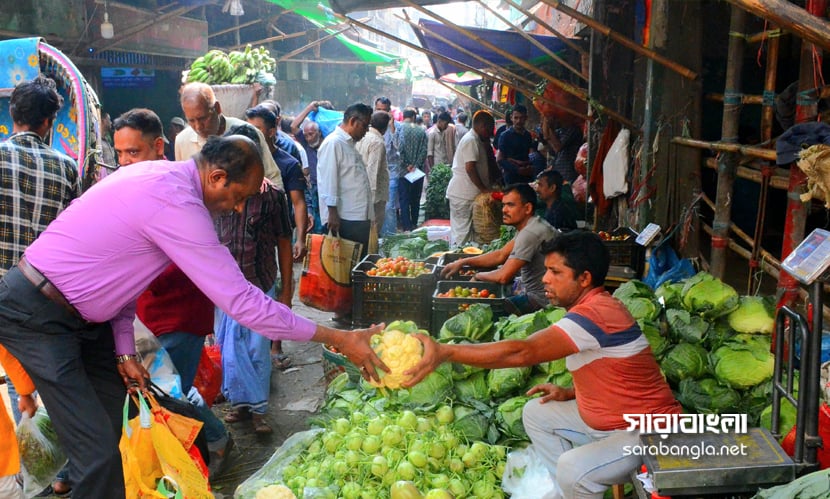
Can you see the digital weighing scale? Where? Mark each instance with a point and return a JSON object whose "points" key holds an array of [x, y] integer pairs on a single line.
{"points": [[764, 463]]}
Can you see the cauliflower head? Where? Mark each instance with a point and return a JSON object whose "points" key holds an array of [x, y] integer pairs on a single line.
{"points": [[400, 352], [275, 492]]}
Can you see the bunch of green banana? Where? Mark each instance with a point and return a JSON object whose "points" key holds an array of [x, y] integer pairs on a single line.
{"points": [[217, 67]]}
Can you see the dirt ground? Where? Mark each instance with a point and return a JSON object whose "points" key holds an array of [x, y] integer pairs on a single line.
{"points": [[296, 393]]}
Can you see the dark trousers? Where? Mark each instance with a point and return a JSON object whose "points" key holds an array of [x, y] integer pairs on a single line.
{"points": [[73, 367], [409, 197], [357, 231]]}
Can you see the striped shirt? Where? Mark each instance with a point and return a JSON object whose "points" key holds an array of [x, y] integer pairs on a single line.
{"points": [[614, 370], [36, 183], [252, 236]]}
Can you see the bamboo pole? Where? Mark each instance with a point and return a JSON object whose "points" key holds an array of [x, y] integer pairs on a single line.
{"points": [[788, 16], [536, 43], [312, 44], [567, 41], [575, 91], [503, 71], [281, 37], [805, 110], [622, 40], [728, 161], [780, 178], [235, 28], [460, 64], [472, 99], [767, 115], [765, 35], [824, 92], [755, 152]]}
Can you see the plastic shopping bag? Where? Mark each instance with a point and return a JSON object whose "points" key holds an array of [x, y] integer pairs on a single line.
{"points": [[150, 451], [157, 361], [41, 456], [326, 119], [208, 378], [182, 417], [527, 477], [326, 281], [615, 167], [271, 471]]}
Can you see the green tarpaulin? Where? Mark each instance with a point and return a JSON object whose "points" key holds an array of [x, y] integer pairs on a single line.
{"points": [[311, 10]]}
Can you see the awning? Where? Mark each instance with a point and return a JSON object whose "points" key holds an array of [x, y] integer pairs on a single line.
{"points": [[436, 38], [310, 10], [346, 6]]}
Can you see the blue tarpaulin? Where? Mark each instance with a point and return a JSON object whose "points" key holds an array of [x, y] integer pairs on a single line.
{"points": [[435, 35]]}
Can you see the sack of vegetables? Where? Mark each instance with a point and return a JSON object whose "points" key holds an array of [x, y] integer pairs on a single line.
{"points": [[40, 454]]}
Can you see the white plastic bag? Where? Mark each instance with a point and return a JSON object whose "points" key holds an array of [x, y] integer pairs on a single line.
{"points": [[157, 361], [615, 167], [41, 457], [527, 477]]}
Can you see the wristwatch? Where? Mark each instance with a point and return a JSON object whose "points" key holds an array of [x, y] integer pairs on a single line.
{"points": [[120, 359]]}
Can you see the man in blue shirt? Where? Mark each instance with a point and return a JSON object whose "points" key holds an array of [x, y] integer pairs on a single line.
{"points": [[514, 150]]}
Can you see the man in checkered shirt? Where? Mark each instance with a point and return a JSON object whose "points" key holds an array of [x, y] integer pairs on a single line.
{"points": [[36, 181]]}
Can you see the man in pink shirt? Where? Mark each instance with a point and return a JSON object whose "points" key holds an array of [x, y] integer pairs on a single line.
{"points": [[66, 309]]}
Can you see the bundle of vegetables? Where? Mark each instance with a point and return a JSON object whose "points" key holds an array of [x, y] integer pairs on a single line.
{"points": [[506, 234], [712, 344], [367, 452], [414, 246], [437, 205], [41, 456]]}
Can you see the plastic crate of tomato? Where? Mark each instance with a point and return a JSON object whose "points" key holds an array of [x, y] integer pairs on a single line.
{"points": [[465, 273], [623, 251], [453, 297], [388, 289]]}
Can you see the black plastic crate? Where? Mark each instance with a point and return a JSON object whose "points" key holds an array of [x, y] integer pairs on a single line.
{"points": [[386, 299], [467, 271], [626, 253], [444, 308]]}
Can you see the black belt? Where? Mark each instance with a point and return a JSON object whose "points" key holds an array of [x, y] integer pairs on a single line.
{"points": [[46, 287]]}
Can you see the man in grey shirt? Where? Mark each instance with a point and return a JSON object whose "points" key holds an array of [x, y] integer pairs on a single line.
{"points": [[522, 255]]}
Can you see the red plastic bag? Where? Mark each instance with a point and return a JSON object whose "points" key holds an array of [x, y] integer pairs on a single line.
{"points": [[208, 378], [563, 99], [823, 454], [326, 283]]}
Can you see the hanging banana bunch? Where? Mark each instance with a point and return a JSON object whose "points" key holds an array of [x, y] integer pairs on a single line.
{"points": [[236, 67]]}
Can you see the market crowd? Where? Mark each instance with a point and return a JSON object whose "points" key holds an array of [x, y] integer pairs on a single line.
{"points": [[194, 233]]}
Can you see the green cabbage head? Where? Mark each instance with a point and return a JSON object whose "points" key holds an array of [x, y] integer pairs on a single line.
{"points": [[744, 361], [684, 360], [755, 314]]}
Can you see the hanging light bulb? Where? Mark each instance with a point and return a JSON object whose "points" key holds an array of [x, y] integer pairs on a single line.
{"points": [[107, 30]]}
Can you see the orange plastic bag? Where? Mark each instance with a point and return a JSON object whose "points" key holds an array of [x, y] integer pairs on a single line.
{"points": [[208, 378], [326, 281], [151, 450]]}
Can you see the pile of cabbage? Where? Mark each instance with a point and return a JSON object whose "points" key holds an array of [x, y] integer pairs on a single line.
{"points": [[713, 345]]}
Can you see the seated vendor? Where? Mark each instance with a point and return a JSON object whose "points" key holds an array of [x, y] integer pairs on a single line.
{"points": [[560, 209], [520, 256]]}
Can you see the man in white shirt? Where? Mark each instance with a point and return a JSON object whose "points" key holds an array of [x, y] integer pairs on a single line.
{"points": [[470, 175], [342, 179], [441, 141]]}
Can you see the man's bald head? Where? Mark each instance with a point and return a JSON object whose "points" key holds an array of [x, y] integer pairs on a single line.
{"points": [[231, 170], [201, 109]]}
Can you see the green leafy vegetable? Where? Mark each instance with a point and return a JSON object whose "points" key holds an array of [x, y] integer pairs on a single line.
{"points": [[708, 396], [430, 392], [744, 361], [474, 324], [684, 360], [670, 294], [503, 382], [705, 295], [437, 205], [754, 314], [509, 417], [687, 327], [659, 343]]}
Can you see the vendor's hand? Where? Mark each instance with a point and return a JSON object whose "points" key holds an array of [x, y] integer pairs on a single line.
{"points": [[299, 250], [27, 404], [134, 375], [334, 223], [410, 168], [430, 360], [550, 392], [355, 346], [452, 268]]}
